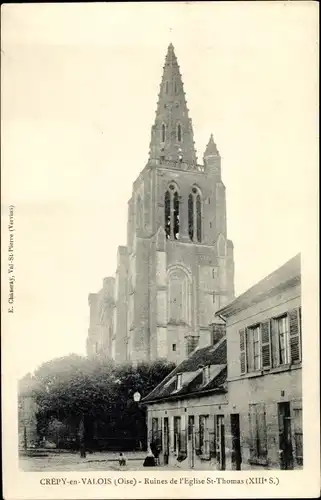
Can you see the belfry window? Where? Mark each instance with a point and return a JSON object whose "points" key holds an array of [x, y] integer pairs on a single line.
{"points": [[195, 216], [171, 212], [163, 132], [179, 132]]}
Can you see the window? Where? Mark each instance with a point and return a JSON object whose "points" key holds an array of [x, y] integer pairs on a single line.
{"points": [[282, 337], [166, 87], [213, 273], [179, 133], [254, 348], [171, 202], [195, 215], [258, 435], [206, 374], [174, 347], [178, 381], [139, 213], [163, 132], [175, 87]]}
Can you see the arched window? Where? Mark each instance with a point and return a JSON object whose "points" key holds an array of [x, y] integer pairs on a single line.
{"points": [[166, 87], [190, 217], [179, 296], [179, 132], [163, 132], [139, 213], [175, 87], [195, 216], [171, 212]]}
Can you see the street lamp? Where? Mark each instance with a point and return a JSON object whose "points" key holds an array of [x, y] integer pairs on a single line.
{"points": [[137, 397]]}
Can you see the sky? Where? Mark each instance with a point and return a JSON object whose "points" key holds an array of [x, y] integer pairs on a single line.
{"points": [[79, 94]]}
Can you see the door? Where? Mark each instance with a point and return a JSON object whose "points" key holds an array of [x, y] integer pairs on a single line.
{"points": [[236, 441], [166, 440], [191, 440], [220, 441], [285, 438], [177, 434]]}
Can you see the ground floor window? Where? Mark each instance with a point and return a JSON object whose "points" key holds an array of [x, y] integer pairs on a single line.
{"points": [[258, 435]]}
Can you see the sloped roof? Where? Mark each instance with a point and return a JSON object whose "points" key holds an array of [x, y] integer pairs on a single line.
{"points": [[287, 275], [192, 377]]}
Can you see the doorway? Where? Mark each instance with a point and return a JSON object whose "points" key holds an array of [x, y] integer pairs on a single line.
{"points": [[285, 436], [236, 441], [220, 441], [166, 440]]}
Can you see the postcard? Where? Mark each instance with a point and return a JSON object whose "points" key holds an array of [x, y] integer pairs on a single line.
{"points": [[160, 320]]}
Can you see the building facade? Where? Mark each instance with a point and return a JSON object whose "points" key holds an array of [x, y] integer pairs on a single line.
{"points": [[177, 268], [264, 356], [186, 412], [252, 415]]}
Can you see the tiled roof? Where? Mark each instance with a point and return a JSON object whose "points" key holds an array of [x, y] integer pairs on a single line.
{"points": [[289, 273], [192, 377]]}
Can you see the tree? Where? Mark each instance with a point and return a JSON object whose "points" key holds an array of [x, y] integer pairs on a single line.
{"points": [[96, 396]]}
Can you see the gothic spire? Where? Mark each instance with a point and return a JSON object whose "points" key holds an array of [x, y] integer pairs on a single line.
{"points": [[211, 148], [172, 133]]}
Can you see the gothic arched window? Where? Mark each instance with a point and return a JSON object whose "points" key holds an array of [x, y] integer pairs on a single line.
{"points": [[179, 297], [171, 212], [163, 132], [139, 212], [195, 216], [166, 87], [190, 217], [179, 132]]}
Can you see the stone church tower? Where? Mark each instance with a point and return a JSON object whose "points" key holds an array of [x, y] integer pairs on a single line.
{"points": [[178, 267]]}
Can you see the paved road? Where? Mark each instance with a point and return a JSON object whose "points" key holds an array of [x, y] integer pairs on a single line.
{"points": [[72, 462]]}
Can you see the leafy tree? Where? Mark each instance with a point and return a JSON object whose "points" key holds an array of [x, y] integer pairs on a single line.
{"points": [[96, 397]]}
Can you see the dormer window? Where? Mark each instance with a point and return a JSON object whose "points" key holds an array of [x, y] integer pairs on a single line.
{"points": [[178, 381], [206, 374]]}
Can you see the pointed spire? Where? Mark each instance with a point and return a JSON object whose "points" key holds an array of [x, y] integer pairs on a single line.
{"points": [[211, 148], [172, 133]]}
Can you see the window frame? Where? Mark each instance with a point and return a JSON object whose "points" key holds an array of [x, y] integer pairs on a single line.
{"points": [[251, 342], [276, 320]]}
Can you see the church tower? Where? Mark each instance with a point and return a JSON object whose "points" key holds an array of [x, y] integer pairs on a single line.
{"points": [[177, 269]]}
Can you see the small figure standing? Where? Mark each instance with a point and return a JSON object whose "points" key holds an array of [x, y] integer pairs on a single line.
{"points": [[122, 459]]}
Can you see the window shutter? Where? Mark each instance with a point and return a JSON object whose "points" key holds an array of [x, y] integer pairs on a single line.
{"points": [[266, 344], [243, 360], [261, 425], [295, 347], [212, 439], [252, 429]]}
